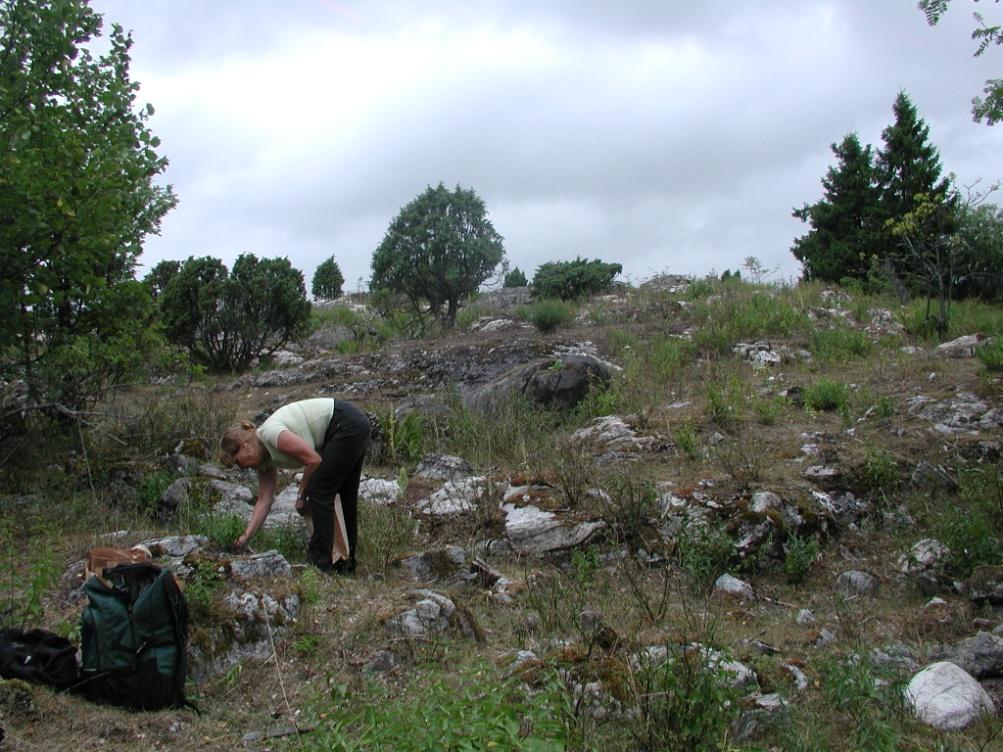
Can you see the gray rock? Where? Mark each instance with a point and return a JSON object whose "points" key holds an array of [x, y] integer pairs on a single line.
{"points": [[550, 382], [946, 697], [380, 491], [981, 655], [266, 564], [611, 434], [232, 494], [176, 495], [382, 662], [455, 497], [928, 475], [897, 657], [926, 554], [962, 347], [176, 546], [256, 621], [856, 582], [442, 565], [429, 616], [733, 587], [805, 617], [532, 531], [986, 585], [443, 467]]}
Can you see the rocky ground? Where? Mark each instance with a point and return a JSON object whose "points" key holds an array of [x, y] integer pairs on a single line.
{"points": [[587, 506]]}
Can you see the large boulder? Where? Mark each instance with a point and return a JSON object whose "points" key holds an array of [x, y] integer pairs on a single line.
{"points": [[981, 655], [562, 382], [946, 697]]}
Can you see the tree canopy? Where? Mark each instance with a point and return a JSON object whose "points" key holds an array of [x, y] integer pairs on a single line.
{"points": [[437, 251], [227, 319], [327, 280], [573, 280], [78, 195]]}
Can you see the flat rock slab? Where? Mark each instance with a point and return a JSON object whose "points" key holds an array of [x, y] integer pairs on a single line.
{"points": [[530, 530]]}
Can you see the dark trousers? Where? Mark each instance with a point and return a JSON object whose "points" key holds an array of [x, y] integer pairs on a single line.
{"points": [[339, 473]]}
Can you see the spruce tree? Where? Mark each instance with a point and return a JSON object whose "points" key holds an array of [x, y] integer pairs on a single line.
{"points": [[907, 167], [845, 223]]}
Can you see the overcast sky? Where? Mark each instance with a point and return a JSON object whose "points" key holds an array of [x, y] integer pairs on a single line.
{"points": [[667, 136]]}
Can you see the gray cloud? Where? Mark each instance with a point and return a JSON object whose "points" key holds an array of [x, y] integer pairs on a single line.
{"points": [[668, 137]]}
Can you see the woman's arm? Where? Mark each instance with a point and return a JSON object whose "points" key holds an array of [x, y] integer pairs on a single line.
{"points": [[292, 445], [266, 494]]}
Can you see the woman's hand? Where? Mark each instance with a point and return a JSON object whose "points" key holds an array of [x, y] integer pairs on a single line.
{"points": [[241, 542]]}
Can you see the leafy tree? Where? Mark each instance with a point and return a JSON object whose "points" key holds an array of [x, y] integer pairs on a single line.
{"points": [[158, 277], [934, 252], [845, 223], [515, 278], [989, 109], [573, 280], [437, 251], [980, 228], [327, 280], [226, 320], [77, 197]]}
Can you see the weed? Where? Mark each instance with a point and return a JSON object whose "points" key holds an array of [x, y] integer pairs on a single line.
{"points": [[201, 587], [973, 527], [25, 589], [684, 701], [768, 410], [990, 354], [685, 437], [476, 711], [631, 504], [548, 315], [388, 532], [403, 438], [725, 398], [827, 396], [799, 555], [574, 473], [744, 461], [839, 344], [879, 472], [705, 555], [864, 707]]}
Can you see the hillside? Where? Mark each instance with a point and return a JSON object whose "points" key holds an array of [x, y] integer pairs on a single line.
{"points": [[703, 515]]}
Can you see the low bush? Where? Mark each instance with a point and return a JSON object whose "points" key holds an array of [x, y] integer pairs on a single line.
{"points": [[839, 344], [548, 315], [573, 280], [990, 355], [827, 396], [799, 555]]}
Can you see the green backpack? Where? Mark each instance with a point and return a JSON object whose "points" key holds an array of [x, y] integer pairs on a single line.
{"points": [[133, 638]]}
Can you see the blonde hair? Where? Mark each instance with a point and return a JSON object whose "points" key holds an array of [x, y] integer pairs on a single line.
{"points": [[233, 437]]}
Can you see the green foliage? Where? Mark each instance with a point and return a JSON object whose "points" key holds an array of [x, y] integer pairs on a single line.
{"points": [[799, 555], [742, 312], [630, 509], [989, 109], [845, 223], [515, 278], [880, 470], [866, 708], [990, 355], [685, 437], [388, 531], [704, 554], [725, 401], [476, 712], [437, 251], [22, 590], [403, 438], [226, 320], [768, 410], [78, 195], [973, 526], [201, 587], [548, 315], [839, 344], [826, 395], [574, 280], [686, 702], [327, 280]]}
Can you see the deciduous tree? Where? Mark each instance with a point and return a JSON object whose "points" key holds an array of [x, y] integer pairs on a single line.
{"points": [[437, 251], [78, 166]]}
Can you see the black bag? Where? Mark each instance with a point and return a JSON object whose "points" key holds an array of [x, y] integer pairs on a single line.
{"points": [[38, 656], [133, 638]]}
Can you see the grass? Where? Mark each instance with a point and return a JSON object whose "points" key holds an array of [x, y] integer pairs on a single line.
{"points": [[586, 613]]}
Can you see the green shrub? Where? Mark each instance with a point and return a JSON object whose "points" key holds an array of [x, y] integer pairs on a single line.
{"points": [[863, 707], [768, 410], [515, 278], [725, 399], [388, 531], [403, 438], [686, 702], [327, 280], [227, 319], [839, 344], [474, 712], [879, 472], [685, 437], [548, 315], [990, 354], [799, 555], [573, 280], [630, 507], [827, 396], [704, 554]]}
